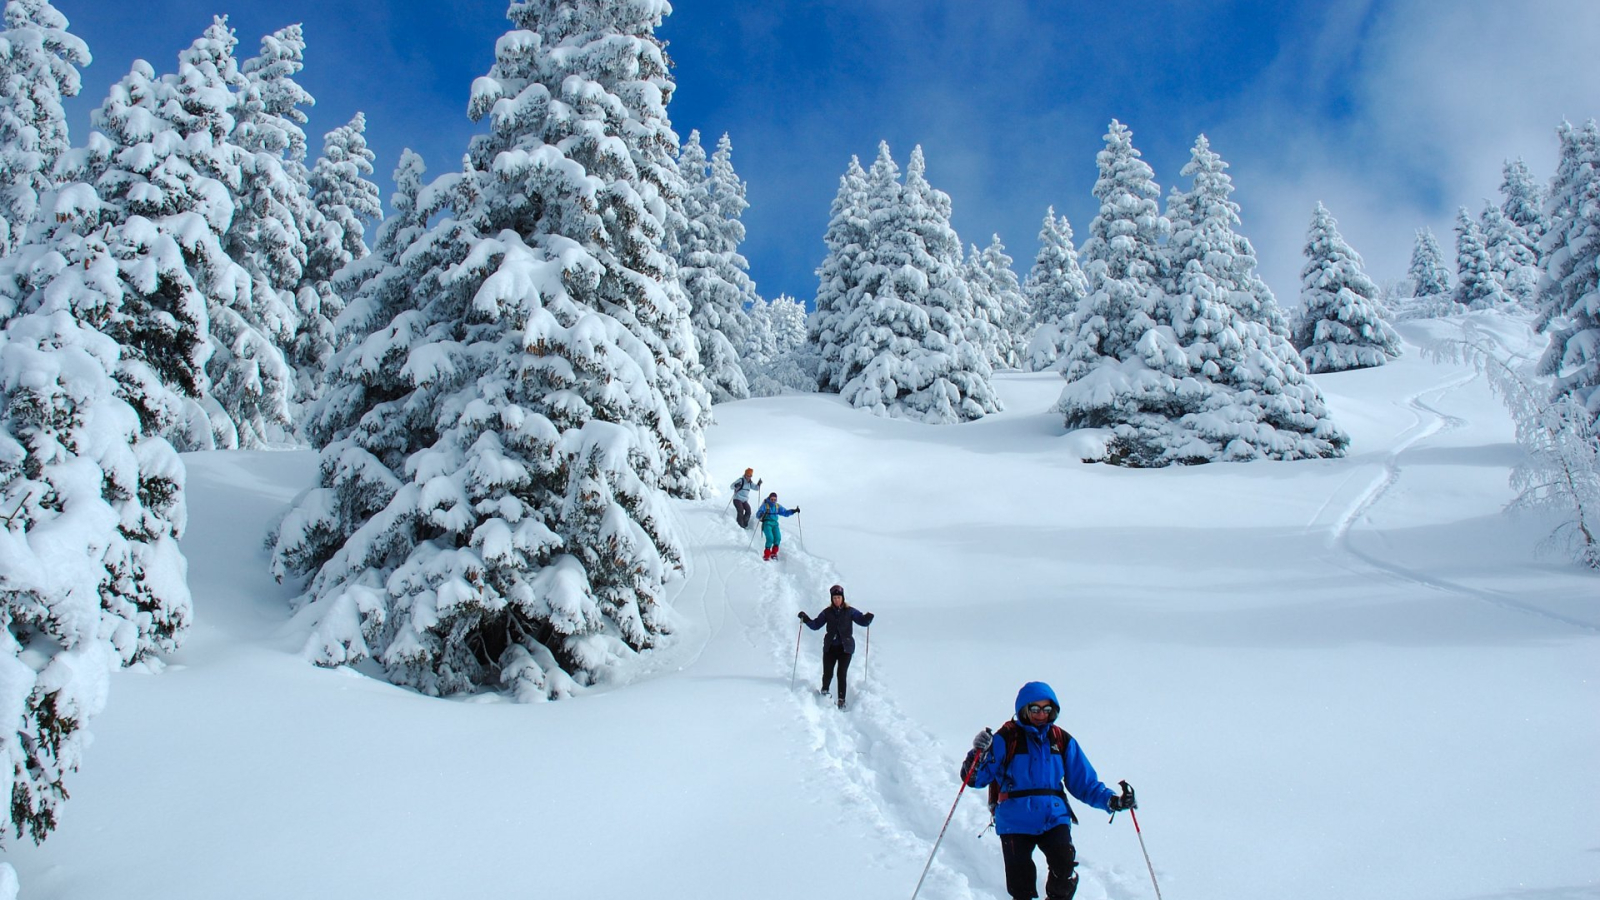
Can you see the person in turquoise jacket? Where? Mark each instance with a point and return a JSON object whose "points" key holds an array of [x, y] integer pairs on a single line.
{"points": [[768, 514], [1029, 761]]}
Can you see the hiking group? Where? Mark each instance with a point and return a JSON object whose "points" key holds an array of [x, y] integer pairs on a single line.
{"points": [[767, 514], [1029, 765]]}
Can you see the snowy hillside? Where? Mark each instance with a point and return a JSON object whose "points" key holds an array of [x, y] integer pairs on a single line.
{"points": [[1327, 679]]}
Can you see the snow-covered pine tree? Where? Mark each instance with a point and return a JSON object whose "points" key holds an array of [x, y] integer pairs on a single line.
{"points": [[1569, 293], [1123, 261], [1205, 222], [1055, 287], [990, 269], [849, 239], [1343, 325], [713, 272], [1511, 257], [39, 62], [499, 520], [1253, 398], [273, 223], [728, 192], [989, 328], [776, 352], [342, 190], [907, 353], [377, 289], [162, 166], [1427, 275], [1477, 284], [1522, 200], [346, 201], [91, 504], [1192, 379]]}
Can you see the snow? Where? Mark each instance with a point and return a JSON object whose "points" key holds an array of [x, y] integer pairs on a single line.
{"points": [[1328, 678]]}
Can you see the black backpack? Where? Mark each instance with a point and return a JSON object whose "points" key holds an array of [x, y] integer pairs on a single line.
{"points": [[1014, 738]]}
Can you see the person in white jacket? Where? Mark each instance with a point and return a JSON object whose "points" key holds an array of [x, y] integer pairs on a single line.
{"points": [[741, 497]]}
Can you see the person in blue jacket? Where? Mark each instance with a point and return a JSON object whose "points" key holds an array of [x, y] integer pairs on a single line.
{"points": [[1028, 762], [839, 644], [768, 514]]}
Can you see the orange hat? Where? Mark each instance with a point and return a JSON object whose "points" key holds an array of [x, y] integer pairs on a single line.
{"points": [[749, 471]]}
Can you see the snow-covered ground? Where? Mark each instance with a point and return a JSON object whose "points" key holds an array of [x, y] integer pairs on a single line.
{"points": [[1347, 678]]}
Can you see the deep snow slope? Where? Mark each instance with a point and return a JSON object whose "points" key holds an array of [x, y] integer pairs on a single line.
{"points": [[1335, 678]]}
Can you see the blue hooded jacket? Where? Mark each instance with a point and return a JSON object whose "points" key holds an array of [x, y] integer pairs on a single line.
{"points": [[1037, 767]]}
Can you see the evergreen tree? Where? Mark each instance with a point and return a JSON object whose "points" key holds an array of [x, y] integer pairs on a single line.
{"points": [[1055, 287], [849, 239], [1569, 293], [91, 502], [1522, 201], [985, 319], [1343, 325], [999, 301], [162, 165], [1204, 222], [39, 63], [498, 520], [776, 353], [1512, 258], [1427, 275], [1477, 286], [714, 273], [1123, 261], [908, 355], [272, 224], [1204, 381], [346, 201]]}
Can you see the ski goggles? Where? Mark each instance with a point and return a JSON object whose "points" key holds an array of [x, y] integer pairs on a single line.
{"points": [[1032, 708]]}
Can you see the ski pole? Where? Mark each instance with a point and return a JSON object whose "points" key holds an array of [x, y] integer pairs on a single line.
{"points": [[796, 666], [800, 533], [1136, 830], [967, 779], [866, 656]]}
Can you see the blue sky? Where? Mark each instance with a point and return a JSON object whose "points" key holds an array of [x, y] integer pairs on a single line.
{"points": [[1390, 113]]}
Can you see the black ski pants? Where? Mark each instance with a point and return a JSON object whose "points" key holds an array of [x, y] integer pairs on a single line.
{"points": [[741, 512], [1022, 876], [834, 657]]}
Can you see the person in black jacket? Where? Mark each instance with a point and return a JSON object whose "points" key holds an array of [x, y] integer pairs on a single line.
{"points": [[839, 644]]}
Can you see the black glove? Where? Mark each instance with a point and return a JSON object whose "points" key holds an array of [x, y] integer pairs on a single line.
{"points": [[804, 617], [983, 741], [1124, 800], [866, 619], [796, 509]]}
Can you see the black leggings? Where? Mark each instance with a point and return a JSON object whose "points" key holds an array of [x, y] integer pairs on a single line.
{"points": [[741, 512], [833, 656], [1022, 876]]}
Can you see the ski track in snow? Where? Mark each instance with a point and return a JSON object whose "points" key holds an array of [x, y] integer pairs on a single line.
{"points": [[886, 766], [1429, 422]]}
